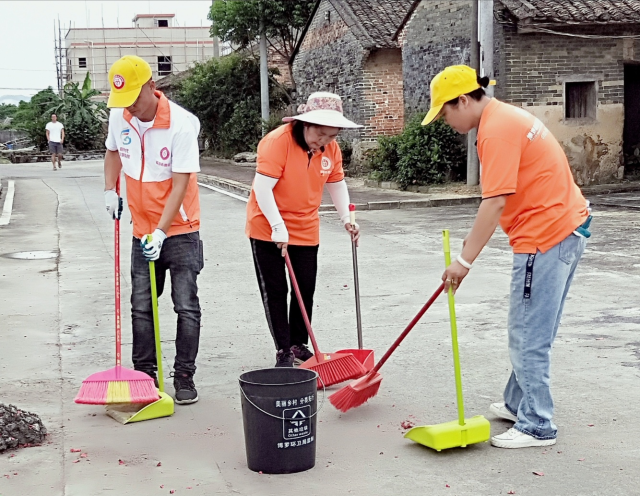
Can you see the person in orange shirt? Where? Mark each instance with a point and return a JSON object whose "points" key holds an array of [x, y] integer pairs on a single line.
{"points": [[295, 162], [528, 188]]}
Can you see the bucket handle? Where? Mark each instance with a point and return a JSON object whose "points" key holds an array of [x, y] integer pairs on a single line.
{"points": [[324, 395]]}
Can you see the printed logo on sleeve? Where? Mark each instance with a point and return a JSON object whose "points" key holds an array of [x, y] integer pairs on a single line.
{"points": [[118, 82]]}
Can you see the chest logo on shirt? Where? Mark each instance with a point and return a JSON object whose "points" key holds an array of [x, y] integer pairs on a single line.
{"points": [[124, 134], [164, 153], [325, 164]]}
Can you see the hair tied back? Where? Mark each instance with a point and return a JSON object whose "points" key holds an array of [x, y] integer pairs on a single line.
{"points": [[483, 81]]}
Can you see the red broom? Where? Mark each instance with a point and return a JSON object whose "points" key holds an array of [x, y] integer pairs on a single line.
{"points": [[117, 385], [358, 392], [332, 368]]}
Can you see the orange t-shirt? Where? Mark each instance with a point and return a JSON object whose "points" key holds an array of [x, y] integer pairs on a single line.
{"points": [[298, 192], [520, 158]]}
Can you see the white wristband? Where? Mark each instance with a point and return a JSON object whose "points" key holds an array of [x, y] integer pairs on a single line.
{"points": [[464, 263]]}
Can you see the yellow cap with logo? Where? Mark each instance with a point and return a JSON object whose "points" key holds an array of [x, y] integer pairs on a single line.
{"points": [[454, 81], [127, 76]]}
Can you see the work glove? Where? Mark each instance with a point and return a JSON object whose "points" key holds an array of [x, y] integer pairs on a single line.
{"points": [[279, 233], [113, 203], [151, 249]]}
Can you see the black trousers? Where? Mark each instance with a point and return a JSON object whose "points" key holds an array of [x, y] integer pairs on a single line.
{"points": [[271, 272]]}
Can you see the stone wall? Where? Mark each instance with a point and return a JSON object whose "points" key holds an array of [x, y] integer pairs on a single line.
{"points": [[332, 59]]}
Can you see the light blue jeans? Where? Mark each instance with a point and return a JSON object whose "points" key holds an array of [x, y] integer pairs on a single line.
{"points": [[539, 286]]}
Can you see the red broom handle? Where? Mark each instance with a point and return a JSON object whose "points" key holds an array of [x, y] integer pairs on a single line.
{"points": [[117, 288], [415, 320], [303, 310]]}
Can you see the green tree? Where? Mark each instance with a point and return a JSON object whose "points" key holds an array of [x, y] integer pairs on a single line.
{"points": [[83, 118], [238, 22], [32, 116], [7, 110], [225, 95]]}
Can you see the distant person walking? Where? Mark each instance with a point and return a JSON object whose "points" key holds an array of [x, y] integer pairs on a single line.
{"points": [[55, 137]]}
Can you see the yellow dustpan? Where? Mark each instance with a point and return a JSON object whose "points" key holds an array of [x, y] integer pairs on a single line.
{"points": [[461, 432], [127, 413]]}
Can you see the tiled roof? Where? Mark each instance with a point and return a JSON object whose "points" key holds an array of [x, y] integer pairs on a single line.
{"points": [[374, 22], [575, 11]]}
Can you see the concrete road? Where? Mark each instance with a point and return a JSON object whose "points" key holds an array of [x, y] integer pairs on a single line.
{"points": [[57, 321]]}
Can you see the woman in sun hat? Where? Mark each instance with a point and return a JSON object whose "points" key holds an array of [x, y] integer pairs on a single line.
{"points": [[527, 188], [295, 162]]}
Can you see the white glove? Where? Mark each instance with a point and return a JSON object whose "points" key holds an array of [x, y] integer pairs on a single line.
{"points": [[113, 203], [279, 233], [151, 249]]}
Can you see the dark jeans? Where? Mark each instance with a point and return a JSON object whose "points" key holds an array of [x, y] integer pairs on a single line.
{"points": [[271, 270], [182, 255]]}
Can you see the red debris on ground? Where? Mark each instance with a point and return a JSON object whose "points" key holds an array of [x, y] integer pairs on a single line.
{"points": [[76, 461], [161, 486], [159, 464], [590, 425], [580, 459], [511, 492], [84, 455], [73, 450], [447, 485], [260, 472], [407, 424], [172, 491], [540, 474], [120, 462]]}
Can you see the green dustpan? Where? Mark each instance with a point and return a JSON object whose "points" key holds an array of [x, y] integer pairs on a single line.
{"points": [[461, 432], [127, 413]]}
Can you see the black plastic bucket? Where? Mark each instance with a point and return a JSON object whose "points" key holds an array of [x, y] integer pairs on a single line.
{"points": [[279, 408]]}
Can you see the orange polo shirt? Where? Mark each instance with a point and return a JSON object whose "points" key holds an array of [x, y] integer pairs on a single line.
{"points": [[520, 158], [298, 192]]}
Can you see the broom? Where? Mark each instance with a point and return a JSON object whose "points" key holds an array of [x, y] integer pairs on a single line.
{"points": [[332, 368], [358, 392], [117, 385]]}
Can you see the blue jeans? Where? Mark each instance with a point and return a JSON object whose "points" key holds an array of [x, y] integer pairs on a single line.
{"points": [[539, 286], [182, 256]]}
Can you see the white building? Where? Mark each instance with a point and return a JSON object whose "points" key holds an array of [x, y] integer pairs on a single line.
{"points": [[167, 48]]}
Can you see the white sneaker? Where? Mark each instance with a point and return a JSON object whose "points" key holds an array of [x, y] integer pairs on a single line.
{"points": [[515, 439], [499, 410]]}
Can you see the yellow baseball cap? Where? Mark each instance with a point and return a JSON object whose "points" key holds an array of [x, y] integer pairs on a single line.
{"points": [[454, 81], [126, 77]]}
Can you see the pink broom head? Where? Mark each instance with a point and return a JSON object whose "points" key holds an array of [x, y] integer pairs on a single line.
{"points": [[333, 368], [357, 393], [117, 385]]}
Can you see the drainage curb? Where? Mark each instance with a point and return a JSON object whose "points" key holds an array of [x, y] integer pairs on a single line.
{"points": [[226, 184]]}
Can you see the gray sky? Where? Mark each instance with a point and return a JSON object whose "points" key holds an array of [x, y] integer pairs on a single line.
{"points": [[26, 33]]}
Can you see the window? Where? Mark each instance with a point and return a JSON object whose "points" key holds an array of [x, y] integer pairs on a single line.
{"points": [[82, 62], [580, 100], [163, 23], [164, 65]]}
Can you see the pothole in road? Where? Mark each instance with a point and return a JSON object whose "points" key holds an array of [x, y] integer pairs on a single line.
{"points": [[32, 255]]}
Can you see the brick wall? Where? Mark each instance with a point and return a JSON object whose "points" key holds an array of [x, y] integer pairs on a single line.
{"points": [[436, 36], [332, 59], [383, 101]]}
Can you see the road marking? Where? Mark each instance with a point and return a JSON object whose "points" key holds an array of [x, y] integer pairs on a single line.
{"points": [[5, 218], [224, 192]]}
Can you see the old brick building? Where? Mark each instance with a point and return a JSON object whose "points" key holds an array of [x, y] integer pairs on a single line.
{"points": [[349, 48], [575, 65]]}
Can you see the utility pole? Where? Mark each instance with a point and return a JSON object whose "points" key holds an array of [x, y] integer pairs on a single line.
{"points": [[486, 41], [473, 164], [264, 72], [55, 54]]}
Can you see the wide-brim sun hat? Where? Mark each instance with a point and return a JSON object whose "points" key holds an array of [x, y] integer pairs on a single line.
{"points": [[451, 83], [323, 109], [127, 76]]}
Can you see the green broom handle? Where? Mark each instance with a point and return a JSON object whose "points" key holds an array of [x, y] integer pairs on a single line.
{"points": [[454, 331], [156, 321]]}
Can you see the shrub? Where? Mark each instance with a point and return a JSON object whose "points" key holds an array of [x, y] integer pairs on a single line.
{"points": [[420, 155]]}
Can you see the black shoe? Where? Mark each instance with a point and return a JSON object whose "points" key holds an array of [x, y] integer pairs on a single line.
{"points": [[284, 359], [301, 353], [153, 376], [185, 389]]}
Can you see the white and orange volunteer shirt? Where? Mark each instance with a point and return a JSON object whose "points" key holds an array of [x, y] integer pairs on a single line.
{"points": [[298, 193], [522, 160], [149, 158]]}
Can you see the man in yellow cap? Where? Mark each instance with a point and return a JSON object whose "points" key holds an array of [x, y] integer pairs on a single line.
{"points": [[155, 143], [527, 188]]}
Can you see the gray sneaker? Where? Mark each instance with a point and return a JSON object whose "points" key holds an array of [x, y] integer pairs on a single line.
{"points": [[284, 359], [186, 392], [499, 410]]}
